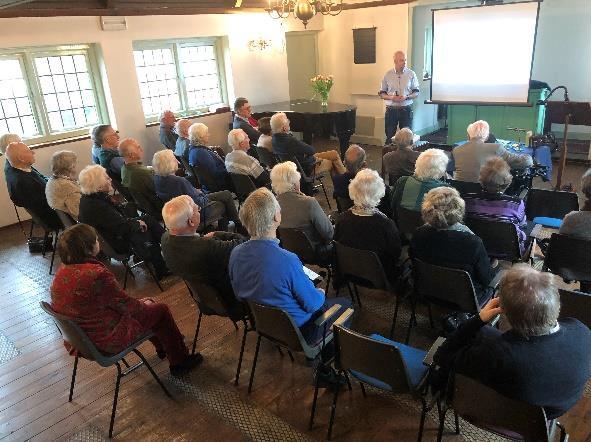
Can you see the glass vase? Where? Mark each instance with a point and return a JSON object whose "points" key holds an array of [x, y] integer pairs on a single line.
{"points": [[324, 99]]}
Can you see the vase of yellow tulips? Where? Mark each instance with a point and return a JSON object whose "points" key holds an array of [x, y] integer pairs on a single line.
{"points": [[321, 85]]}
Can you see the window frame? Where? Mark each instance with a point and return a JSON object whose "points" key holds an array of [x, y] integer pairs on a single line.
{"points": [[26, 57], [176, 44]]}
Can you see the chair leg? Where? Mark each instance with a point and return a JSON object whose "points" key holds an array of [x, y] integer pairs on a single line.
{"points": [[363, 389], [235, 325], [127, 272], [333, 410], [442, 413], [348, 381], [395, 316], [431, 323], [53, 252], [313, 411], [290, 356], [325, 195], [328, 278], [357, 294], [116, 395], [241, 354], [153, 275], [457, 419], [73, 379], [152, 372], [196, 333], [125, 362], [410, 322], [350, 292], [423, 416], [254, 364], [279, 350]]}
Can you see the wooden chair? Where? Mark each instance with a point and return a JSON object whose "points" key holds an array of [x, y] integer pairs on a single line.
{"points": [[73, 334]]}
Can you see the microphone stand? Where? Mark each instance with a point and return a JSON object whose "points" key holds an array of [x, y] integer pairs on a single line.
{"points": [[567, 117]]}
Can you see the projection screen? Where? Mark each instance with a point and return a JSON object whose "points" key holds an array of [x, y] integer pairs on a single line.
{"points": [[483, 54]]}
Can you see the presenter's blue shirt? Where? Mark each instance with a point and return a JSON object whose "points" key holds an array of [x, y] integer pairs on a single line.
{"points": [[402, 84], [263, 272]]}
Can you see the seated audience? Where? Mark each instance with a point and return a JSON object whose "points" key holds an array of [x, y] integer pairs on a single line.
{"points": [[108, 139], [168, 185], [446, 242], [266, 139], [400, 162], [539, 360], [492, 204], [26, 186], [181, 149], [299, 211], [168, 137], [238, 161], [243, 119], [87, 292], [364, 227], [191, 256], [205, 158], [429, 173], [139, 179], [286, 146], [140, 235], [471, 156], [263, 272], [5, 140], [579, 223], [354, 161], [62, 190]]}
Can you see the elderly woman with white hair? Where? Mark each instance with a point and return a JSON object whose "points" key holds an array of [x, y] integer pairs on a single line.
{"points": [[208, 164], [401, 161], [299, 211], [62, 190], [364, 227], [471, 156], [168, 185], [492, 204], [541, 360], [428, 174], [140, 235], [446, 242]]}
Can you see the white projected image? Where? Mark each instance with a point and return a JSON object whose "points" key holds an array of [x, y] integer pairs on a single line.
{"points": [[483, 54]]}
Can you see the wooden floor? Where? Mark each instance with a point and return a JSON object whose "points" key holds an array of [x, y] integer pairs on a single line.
{"points": [[34, 384]]}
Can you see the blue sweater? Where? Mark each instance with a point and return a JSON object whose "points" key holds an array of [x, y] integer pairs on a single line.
{"points": [[171, 186], [210, 161], [263, 272]]}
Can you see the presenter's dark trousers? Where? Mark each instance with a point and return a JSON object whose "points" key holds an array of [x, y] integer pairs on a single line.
{"points": [[397, 117]]}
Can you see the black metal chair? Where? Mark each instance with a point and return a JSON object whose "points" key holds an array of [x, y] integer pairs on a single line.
{"points": [[408, 221], [381, 363], [449, 288], [275, 325], [73, 334], [363, 268], [298, 242], [211, 303], [512, 419], [576, 305], [190, 172], [315, 181], [243, 186], [265, 157], [464, 187], [570, 258], [66, 219], [47, 229], [124, 258], [151, 206], [550, 203], [343, 204], [500, 239], [207, 179]]}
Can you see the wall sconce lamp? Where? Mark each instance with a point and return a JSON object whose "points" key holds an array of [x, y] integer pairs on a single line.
{"points": [[259, 44]]}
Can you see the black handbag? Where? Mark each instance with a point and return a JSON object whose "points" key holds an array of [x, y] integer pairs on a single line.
{"points": [[451, 322], [35, 244]]}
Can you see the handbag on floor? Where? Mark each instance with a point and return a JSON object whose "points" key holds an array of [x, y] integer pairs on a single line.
{"points": [[35, 244]]}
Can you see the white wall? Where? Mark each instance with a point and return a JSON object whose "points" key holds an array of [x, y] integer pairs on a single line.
{"points": [[260, 76]]}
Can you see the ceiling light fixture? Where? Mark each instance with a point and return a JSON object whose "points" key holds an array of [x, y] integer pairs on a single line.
{"points": [[304, 9]]}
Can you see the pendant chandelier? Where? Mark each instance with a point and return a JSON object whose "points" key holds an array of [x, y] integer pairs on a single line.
{"points": [[304, 9]]}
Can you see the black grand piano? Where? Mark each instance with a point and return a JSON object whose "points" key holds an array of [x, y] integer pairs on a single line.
{"points": [[313, 119]]}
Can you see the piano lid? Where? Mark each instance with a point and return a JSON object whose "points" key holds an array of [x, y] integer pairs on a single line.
{"points": [[302, 106]]}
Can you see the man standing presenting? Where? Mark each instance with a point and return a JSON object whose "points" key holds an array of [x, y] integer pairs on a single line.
{"points": [[399, 88]]}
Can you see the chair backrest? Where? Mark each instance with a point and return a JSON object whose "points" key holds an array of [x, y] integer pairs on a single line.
{"points": [[206, 178], [484, 407], [40, 221], [110, 251], [379, 360], [408, 221], [266, 158], [66, 219], [343, 204], [276, 325], [500, 238], [298, 242], [569, 257], [116, 183], [72, 333], [301, 170], [243, 185], [464, 187], [208, 299], [363, 267], [550, 203], [152, 207], [575, 305], [443, 285]]}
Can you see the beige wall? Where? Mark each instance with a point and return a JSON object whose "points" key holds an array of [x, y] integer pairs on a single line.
{"points": [[359, 84], [262, 77]]}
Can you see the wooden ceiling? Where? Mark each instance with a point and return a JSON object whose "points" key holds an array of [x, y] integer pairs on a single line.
{"points": [[52, 8]]}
